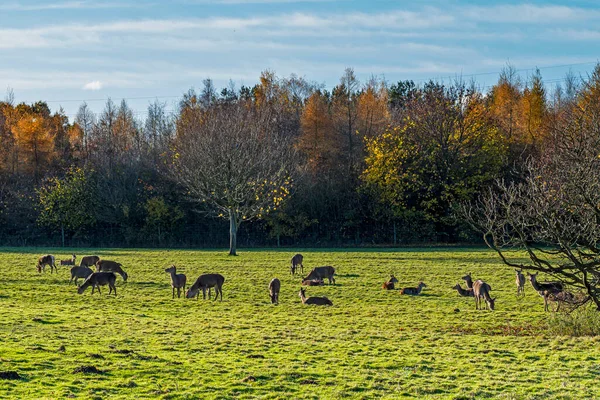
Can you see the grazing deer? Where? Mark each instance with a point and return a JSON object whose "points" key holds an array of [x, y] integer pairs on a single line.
{"points": [[111, 266], [69, 262], [463, 292], [321, 273], [482, 290], [520, 280], [177, 280], [313, 282], [545, 289], [97, 279], [80, 272], [297, 262], [389, 285], [89, 261], [205, 282], [469, 281], [46, 260], [274, 287], [319, 301], [412, 290]]}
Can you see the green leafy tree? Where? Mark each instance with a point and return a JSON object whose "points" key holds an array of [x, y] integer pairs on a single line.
{"points": [[161, 217]]}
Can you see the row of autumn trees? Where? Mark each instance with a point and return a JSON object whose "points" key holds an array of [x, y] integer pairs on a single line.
{"points": [[284, 162]]}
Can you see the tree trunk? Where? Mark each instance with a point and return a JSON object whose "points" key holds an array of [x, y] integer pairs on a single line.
{"points": [[395, 234], [62, 231], [233, 227]]}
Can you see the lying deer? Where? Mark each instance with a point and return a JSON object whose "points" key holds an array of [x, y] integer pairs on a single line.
{"points": [[313, 282], [205, 282], [319, 301], [463, 292], [297, 262], [520, 281], [69, 262], [97, 279], [177, 280], [389, 285], [46, 260], [412, 290], [111, 266], [545, 289], [322, 273], [89, 261], [274, 287], [80, 272], [482, 290]]}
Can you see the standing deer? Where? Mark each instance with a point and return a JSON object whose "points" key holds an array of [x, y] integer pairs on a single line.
{"points": [[463, 292], [545, 289], [111, 266], [274, 287], [297, 262], [46, 260], [69, 262], [319, 301], [520, 280], [467, 278], [177, 280], [413, 291], [89, 261], [205, 282], [389, 285], [80, 272], [321, 273], [97, 279], [482, 290], [560, 297]]}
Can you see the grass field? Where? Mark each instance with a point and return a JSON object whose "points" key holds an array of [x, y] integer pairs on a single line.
{"points": [[371, 344]]}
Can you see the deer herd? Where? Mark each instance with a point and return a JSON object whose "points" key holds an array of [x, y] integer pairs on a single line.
{"points": [[106, 270]]}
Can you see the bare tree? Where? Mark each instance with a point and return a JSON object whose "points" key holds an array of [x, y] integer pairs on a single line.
{"points": [[230, 159]]}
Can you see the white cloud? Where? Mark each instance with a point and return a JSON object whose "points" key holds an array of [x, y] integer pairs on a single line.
{"points": [[93, 85]]}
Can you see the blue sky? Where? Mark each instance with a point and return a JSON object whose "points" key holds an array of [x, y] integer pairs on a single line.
{"points": [[66, 51]]}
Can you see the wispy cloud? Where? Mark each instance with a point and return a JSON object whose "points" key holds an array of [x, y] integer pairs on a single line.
{"points": [[93, 85], [529, 13], [67, 5]]}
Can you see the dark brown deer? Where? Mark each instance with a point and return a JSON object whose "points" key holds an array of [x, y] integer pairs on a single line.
{"points": [[80, 272], [46, 260], [520, 281], [481, 290], [177, 280], [322, 273], [205, 282], [69, 262], [463, 292], [413, 291], [111, 266], [89, 261], [545, 289], [319, 301], [389, 285], [297, 263], [274, 287], [97, 279]]}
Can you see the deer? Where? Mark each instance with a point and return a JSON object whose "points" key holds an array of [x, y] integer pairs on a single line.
{"points": [[389, 285], [69, 262], [274, 287], [80, 272], [205, 282], [481, 290], [520, 281], [322, 273], [177, 280], [297, 262], [413, 291], [97, 279], [560, 297], [545, 289], [469, 281], [111, 266], [463, 292], [89, 261], [49, 260], [319, 301], [313, 282]]}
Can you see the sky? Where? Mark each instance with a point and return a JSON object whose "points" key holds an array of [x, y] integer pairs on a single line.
{"points": [[68, 51]]}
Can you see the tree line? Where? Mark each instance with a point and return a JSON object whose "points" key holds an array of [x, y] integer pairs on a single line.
{"points": [[285, 162]]}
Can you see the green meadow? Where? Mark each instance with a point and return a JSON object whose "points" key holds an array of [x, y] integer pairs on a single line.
{"points": [[370, 344]]}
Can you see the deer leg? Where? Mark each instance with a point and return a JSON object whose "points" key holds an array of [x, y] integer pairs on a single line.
{"points": [[173, 296], [98, 287]]}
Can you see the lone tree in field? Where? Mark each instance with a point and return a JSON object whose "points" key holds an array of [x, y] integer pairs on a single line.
{"points": [[554, 212], [233, 158]]}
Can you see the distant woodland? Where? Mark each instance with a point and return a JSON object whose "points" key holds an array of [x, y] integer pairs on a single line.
{"points": [[283, 163]]}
